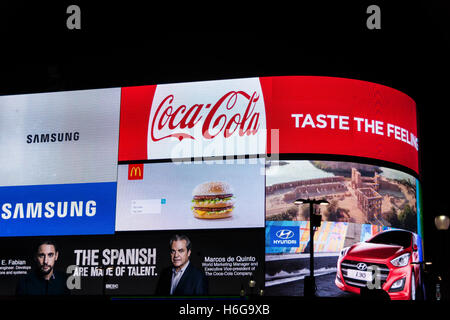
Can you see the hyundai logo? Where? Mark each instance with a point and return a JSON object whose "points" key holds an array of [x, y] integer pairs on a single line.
{"points": [[284, 234], [361, 266]]}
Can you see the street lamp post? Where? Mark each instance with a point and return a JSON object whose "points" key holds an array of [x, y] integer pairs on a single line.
{"points": [[442, 224], [314, 222]]}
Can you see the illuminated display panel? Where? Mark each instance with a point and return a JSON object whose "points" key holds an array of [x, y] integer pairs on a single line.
{"points": [[313, 115], [324, 115], [121, 168], [193, 195], [58, 171], [364, 201]]}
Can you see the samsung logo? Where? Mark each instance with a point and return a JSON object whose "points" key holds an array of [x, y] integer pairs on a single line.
{"points": [[38, 210], [53, 137]]}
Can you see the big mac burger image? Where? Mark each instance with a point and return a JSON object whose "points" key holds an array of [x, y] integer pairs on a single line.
{"points": [[213, 200]]}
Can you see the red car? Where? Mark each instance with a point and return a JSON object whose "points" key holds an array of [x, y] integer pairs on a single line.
{"points": [[387, 261]]}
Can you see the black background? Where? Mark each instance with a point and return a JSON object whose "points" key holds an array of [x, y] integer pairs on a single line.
{"points": [[126, 43]]}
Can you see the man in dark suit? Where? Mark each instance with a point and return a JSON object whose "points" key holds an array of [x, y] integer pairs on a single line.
{"points": [[182, 279], [44, 280]]}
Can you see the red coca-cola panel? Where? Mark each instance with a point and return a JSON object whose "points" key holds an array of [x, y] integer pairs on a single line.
{"points": [[326, 115], [197, 119], [314, 115], [135, 104]]}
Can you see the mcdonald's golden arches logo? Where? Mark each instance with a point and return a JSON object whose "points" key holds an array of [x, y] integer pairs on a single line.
{"points": [[136, 171]]}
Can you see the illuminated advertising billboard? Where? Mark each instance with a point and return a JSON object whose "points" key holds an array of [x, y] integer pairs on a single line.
{"points": [[195, 195], [113, 174], [371, 220], [335, 116], [58, 172], [269, 115], [198, 119], [137, 263]]}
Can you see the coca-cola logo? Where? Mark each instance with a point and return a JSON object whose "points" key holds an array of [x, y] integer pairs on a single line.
{"points": [[233, 113]]}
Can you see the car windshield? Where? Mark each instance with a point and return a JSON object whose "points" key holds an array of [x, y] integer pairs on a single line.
{"points": [[397, 238]]}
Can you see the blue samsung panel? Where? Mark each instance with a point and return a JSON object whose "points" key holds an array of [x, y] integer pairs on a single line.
{"points": [[62, 209]]}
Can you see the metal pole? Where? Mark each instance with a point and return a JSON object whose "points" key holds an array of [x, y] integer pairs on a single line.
{"points": [[309, 284], [311, 243]]}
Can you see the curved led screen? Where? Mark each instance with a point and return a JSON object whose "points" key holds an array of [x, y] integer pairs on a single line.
{"points": [[315, 115], [365, 202], [111, 175]]}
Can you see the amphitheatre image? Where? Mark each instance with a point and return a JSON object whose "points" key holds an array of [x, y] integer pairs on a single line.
{"points": [[357, 193]]}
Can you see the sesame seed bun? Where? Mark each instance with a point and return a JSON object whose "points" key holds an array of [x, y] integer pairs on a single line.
{"points": [[213, 200]]}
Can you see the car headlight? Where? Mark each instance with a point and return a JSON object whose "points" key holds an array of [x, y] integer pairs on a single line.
{"points": [[343, 252], [398, 285], [401, 261]]}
